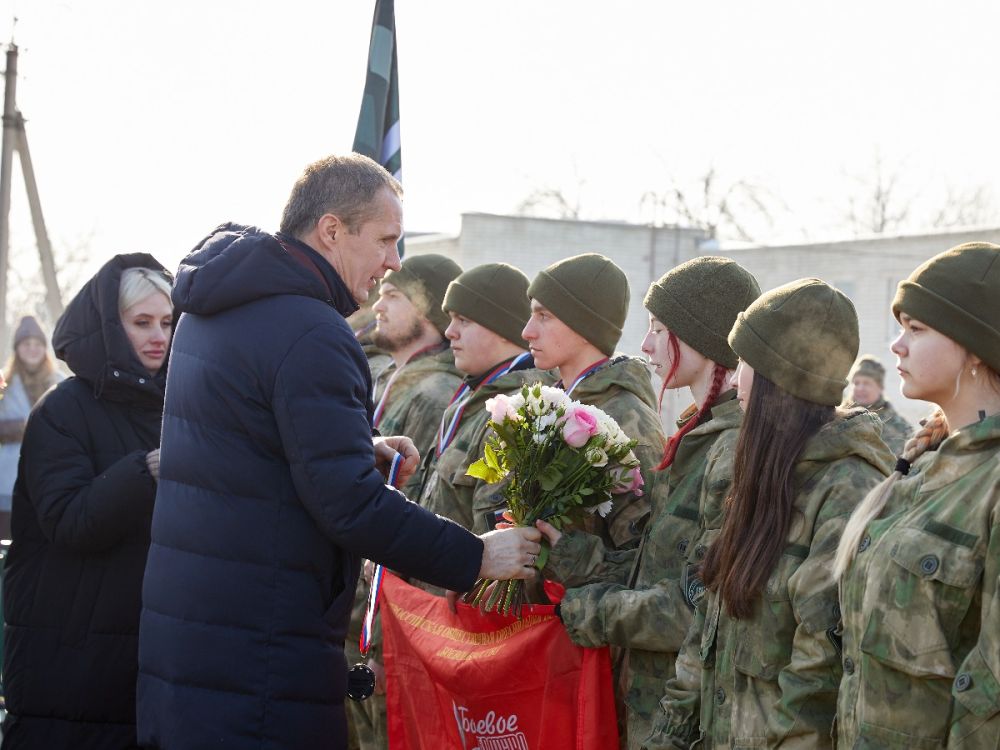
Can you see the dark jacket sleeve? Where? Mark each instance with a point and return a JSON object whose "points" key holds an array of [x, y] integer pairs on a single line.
{"points": [[319, 404], [78, 508]]}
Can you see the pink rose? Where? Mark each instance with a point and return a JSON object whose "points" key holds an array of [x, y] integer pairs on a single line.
{"points": [[498, 407], [578, 427], [628, 480]]}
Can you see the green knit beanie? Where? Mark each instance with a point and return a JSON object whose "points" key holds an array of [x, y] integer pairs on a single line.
{"points": [[803, 337], [958, 294], [588, 293], [424, 280], [869, 367], [699, 301], [495, 295]]}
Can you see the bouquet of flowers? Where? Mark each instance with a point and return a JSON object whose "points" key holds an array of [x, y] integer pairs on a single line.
{"points": [[562, 459]]}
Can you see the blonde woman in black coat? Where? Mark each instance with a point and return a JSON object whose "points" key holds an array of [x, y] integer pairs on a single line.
{"points": [[82, 506]]}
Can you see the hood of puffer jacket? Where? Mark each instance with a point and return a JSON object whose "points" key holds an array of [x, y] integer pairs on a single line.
{"points": [[621, 373], [854, 433], [237, 264], [90, 338]]}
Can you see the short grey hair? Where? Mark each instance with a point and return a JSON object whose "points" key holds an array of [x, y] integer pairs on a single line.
{"points": [[345, 186], [137, 284]]}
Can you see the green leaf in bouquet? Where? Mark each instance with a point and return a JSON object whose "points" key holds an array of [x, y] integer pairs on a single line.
{"points": [[550, 477], [543, 556], [586, 491], [491, 459], [480, 470]]}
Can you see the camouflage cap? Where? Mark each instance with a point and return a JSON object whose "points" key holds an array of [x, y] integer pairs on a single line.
{"points": [[803, 337], [424, 280], [589, 293], [495, 295], [699, 301], [956, 293], [868, 366]]}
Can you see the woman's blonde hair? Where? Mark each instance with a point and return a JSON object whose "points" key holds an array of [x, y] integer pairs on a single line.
{"points": [[930, 436], [137, 284]]}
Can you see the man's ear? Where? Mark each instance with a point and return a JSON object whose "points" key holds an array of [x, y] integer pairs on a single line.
{"points": [[329, 229]]}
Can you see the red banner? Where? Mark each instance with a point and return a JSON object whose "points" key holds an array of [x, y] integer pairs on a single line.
{"points": [[470, 681]]}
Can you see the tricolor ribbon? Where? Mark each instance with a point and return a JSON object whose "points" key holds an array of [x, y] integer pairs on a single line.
{"points": [[586, 374], [371, 609], [446, 433]]}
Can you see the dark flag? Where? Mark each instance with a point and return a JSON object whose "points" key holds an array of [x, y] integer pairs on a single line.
{"points": [[378, 124]]}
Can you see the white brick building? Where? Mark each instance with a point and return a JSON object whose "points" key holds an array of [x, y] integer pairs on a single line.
{"points": [[867, 270]]}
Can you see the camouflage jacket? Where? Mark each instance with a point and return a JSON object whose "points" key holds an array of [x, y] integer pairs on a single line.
{"points": [[447, 490], [622, 389], [417, 399], [771, 680], [647, 608], [895, 430], [922, 608]]}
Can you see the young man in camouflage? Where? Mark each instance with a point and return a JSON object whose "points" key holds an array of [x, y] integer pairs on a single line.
{"points": [[578, 308], [411, 393], [488, 308], [867, 380]]}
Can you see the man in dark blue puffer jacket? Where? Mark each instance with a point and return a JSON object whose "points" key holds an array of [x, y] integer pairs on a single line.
{"points": [[270, 487]]}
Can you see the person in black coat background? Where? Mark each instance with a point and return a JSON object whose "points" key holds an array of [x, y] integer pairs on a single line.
{"points": [[82, 507], [270, 491]]}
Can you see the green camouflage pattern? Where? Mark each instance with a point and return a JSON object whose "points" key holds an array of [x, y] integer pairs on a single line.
{"points": [[417, 399], [771, 680], [622, 389], [921, 606], [447, 489], [895, 430], [648, 609]]}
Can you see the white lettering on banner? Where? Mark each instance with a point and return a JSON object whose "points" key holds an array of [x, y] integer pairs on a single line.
{"points": [[494, 732]]}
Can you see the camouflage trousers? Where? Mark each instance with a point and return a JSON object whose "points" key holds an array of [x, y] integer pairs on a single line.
{"points": [[366, 727]]}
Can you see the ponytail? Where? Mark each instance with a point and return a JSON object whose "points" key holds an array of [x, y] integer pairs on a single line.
{"points": [[719, 373], [930, 436]]}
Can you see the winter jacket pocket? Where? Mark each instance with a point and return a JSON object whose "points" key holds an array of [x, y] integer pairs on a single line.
{"points": [[925, 596]]}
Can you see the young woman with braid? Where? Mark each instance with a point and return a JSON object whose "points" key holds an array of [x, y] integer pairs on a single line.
{"points": [[639, 601], [919, 562], [761, 664]]}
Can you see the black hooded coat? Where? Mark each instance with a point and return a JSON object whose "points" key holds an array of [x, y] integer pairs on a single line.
{"points": [[268, 500], [81, 514]]}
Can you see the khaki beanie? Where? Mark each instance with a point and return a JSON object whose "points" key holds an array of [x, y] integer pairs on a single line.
{"points": [[494, 295], [588, 293], [958, 294], [27, 328], [424, 280], [699, 301], [868, 366], [803, 337]]}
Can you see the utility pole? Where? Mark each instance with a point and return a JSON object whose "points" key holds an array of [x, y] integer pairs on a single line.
{"points": [[15, 138]]}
